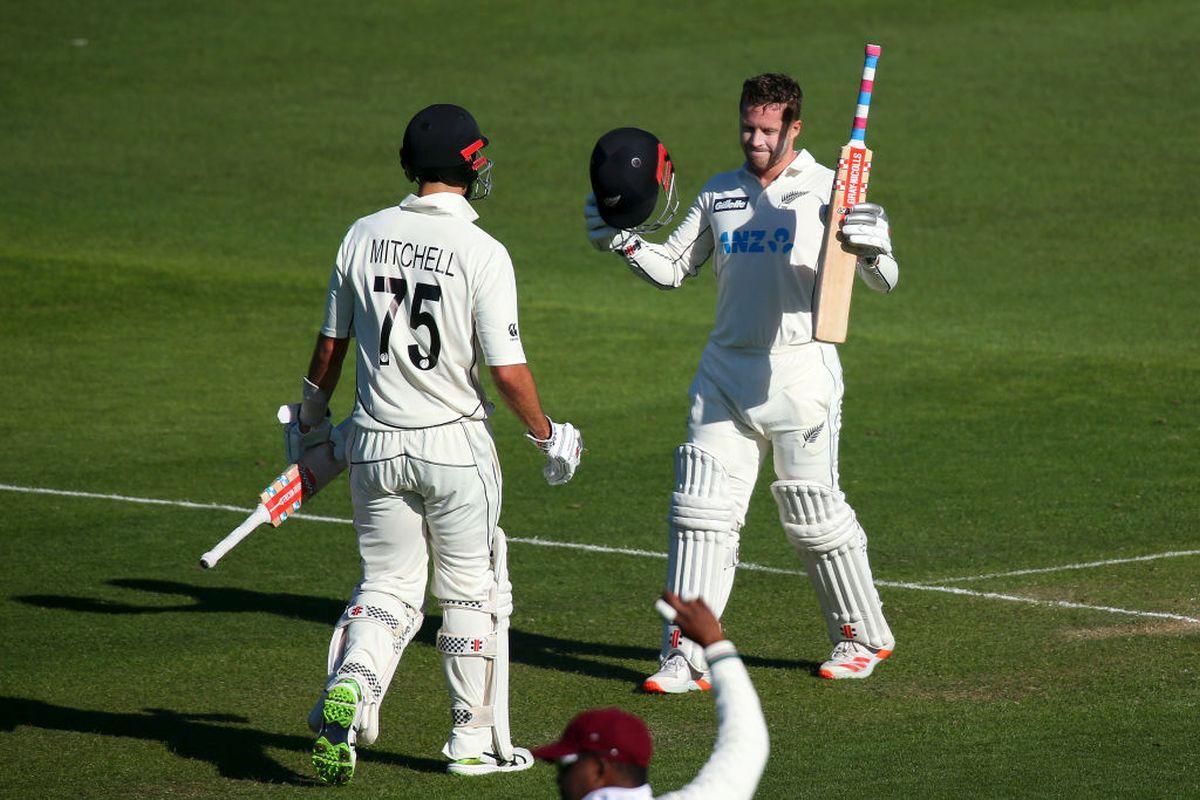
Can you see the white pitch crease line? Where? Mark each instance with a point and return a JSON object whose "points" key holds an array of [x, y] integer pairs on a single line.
{"points": [[154, 501], [1084, 565], [629, 551], [591, 548], [1037, 601]]}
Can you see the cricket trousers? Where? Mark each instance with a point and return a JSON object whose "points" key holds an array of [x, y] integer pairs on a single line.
{"points": [[744, 403], [422, 494]]}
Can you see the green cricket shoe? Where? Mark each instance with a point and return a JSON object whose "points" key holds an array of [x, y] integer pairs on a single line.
{"points": [[333, 754]]}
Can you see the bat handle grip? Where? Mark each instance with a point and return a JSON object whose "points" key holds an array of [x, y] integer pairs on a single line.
{"points": [[858, 133], [259, 516]]}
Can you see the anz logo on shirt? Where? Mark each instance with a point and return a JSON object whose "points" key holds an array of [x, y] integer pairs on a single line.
{"points": [[756, 241]]}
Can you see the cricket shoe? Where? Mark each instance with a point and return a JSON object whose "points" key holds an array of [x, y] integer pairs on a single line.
{"points": [[676, 676], [333, 754], [852, 660], [489, 763]]}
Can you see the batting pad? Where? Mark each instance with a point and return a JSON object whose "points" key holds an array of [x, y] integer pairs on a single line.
{"points": [[366, 645], [702, 553], [468, 644], [825, 532], [473, 642]]}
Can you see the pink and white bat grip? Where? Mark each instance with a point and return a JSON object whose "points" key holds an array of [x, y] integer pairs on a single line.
{"points": [[858, 133]]}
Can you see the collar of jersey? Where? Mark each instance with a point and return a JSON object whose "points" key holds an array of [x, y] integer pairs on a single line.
{"points": [[800, 162], [443, 204]]}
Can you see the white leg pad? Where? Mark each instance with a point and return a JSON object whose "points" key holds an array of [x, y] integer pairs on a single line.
{"points": [[702, 554], [825, 532], [473, 642], [502, 607], [366, 645], [467, 642]]}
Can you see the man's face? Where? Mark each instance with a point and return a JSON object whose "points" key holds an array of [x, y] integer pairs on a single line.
{"points": [[578, 778], [766, 140]]}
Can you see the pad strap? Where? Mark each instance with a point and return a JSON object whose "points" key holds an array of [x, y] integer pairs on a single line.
{"points": [[472, 716], [452, 644], [363, 612]]}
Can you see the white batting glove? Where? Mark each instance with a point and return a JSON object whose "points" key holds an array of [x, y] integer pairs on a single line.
{"points": [[299, 439], [563, 450], [865, 231], [603, 236], [881, 273], [307, 424]]}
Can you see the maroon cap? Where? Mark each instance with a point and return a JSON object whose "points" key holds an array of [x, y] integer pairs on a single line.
{"points": [[610, 733]]}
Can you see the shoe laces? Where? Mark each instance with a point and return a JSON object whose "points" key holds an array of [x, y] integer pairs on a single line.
{"points": [[848, 649], [676, 663]]}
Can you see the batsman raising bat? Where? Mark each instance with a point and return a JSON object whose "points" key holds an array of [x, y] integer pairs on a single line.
{"points": [[763, 382]]}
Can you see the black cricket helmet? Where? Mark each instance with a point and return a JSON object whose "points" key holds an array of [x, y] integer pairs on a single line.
{"points": [[443, 143], [629, 167]]}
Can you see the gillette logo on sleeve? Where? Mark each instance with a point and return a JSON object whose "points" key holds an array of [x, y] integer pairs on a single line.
{"points": [[730, 204]]}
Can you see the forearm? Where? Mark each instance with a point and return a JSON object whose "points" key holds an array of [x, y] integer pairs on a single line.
{"points": [[516, 386], [740, 754], [324, 369], [655, 263]]}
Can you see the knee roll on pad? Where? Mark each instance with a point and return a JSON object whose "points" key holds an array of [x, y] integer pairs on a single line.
{"points": [[702, 554], [825, 532], [366, 646]]}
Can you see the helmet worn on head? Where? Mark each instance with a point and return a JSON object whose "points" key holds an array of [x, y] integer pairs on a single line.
{"points": [[629, 166], [443, 143]]}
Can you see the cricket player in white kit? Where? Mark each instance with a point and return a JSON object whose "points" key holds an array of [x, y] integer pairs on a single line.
{"points": [[763, 384], [426, 294]]}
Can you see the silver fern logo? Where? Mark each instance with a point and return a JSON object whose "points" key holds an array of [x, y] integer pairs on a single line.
{"points": [[810, 435]]}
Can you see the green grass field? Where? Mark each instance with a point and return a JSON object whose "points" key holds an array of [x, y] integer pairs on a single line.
{"points": [[175, 180]]}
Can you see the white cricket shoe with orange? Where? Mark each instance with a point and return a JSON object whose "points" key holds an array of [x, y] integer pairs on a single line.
{"points": [[852, 660], [676, 676]]}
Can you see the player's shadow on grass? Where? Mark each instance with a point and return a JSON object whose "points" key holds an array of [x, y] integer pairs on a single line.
{"points": [[534, 649], [238, 752]]}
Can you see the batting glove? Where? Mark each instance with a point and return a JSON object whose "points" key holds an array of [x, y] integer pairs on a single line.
{"points": [[603, 236], [299, 439], [307, 424], [563, 450], [865, 230]]}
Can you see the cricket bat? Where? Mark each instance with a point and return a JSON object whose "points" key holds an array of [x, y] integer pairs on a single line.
{"points": [[283, 496], [835, 268]]}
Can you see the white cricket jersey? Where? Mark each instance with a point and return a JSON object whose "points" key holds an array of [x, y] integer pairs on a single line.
{"points": [[764, 244], [424, 292]]}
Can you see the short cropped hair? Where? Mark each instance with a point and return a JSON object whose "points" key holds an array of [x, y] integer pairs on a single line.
{"points": [[772, 88]]}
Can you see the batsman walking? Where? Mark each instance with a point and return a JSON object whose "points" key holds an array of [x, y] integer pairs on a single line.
{"points": [[763, 383], [426, 294]]}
